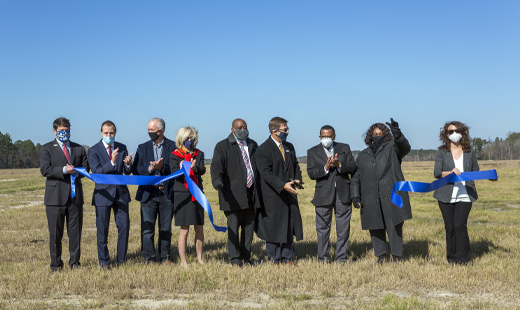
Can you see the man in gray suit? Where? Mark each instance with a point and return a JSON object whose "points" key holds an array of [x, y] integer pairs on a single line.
{"points": [[330, 163], [58, 159]]}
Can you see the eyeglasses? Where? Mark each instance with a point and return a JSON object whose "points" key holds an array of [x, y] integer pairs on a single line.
{"points": [[283, 129], [451, 131], [190, 138]]}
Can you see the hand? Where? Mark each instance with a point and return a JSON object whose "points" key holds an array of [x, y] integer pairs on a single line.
{"points": [[70, 169], [157, 165], [193, 161], [334, 161], [456, 171], [356, 202], [329, 162], [394, 127], [298, 184], [288, 187], [218, 184], [128, 159], [114, 155]]}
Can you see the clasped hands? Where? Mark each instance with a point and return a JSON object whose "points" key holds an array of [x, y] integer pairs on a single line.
{"points": [[332, 162], [193, 161]]}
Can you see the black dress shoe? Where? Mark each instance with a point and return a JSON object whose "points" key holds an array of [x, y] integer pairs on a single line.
{"points": [[382, 259], [75, 266], [249, 262], [106, 267], [397, 259], [236, 263]]}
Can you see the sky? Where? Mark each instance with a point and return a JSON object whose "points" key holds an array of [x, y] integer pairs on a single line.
{"points": [[348, 64]]}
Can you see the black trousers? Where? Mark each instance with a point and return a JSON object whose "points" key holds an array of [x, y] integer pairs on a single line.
{"points": [[455, 217], [157, 207], [282, 251], [56, 217], [241, 227]]}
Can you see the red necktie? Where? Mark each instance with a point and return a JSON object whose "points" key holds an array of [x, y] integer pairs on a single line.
{"points": [[66, 152], [110, 152]]}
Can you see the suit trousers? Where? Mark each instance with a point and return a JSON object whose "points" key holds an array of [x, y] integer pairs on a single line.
{"points": [[158, 206], [56, 217], [122, 220], [455, 217], [395, 236], [282, 251], [239, 243], [343, 213]]}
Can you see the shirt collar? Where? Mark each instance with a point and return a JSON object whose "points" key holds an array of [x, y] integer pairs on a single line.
{"points": [[61, 143], [277, 143], [158, 144], [107, 145], [243, 141]]}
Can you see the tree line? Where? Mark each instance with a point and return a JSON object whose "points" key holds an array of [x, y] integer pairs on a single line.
{"points": [[25, 154]]}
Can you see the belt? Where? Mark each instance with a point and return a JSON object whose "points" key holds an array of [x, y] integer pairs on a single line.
{"points": [[160, 186]]}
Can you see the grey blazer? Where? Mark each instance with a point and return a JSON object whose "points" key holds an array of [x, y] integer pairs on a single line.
{"points": [[444, 162]]}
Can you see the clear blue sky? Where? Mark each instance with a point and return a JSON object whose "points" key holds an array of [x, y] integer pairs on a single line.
{"points": [[203, 63]]}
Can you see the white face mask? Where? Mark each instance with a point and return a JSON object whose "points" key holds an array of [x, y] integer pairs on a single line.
{"points": [[455, 137], [326, 142]]}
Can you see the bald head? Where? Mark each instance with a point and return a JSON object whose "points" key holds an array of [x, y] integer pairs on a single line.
{"points": [[239, 124]]}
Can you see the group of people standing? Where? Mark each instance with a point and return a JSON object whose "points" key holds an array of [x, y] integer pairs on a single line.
{"points": [[258, 191]]}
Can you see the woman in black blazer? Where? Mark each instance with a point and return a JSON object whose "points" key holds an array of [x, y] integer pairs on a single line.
{"points": [[187, 210], [455, 155]]}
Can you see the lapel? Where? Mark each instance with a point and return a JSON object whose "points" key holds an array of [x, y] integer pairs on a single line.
{"points": [[101, 146], [276, 150], [59, 151], [450, 160]]}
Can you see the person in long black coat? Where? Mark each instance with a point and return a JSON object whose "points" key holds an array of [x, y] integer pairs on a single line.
{"points": [[378, 168], [187, 210], [234, 174], [279, 218]]}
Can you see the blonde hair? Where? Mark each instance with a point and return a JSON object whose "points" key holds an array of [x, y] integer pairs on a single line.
{"points": [[184, 133]]}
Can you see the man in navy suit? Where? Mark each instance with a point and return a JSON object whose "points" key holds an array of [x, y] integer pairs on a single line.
{"points": [[153, 158], [58, 159], [110, 157]]}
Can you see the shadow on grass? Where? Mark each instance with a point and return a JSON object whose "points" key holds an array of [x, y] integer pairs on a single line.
{"points": [[484, 247]]}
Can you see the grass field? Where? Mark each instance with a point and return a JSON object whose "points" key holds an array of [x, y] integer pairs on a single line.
{"points": [[423, 281]]}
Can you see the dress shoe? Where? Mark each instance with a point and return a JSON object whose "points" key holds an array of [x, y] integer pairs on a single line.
{"points": [[249, 262], [167, 262], [106, 267], [382, 259], [397, 259], [276, 263], [290, 264], [75, 266], [150, 263]]}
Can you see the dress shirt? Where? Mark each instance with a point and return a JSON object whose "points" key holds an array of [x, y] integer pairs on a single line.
{"points": [[61, 148]]}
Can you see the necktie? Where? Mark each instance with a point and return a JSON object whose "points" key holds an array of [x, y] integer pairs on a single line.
{"points": [[110, 152], [248, 165], [66, 152], [281, 150]]}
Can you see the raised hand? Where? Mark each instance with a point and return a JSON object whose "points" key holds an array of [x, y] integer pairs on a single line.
{"points": [[114, 155], [394, 127], [128, 159]]}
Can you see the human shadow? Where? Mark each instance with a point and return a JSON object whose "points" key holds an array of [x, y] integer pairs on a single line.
{"points": [[416, 249], [484, 247]]}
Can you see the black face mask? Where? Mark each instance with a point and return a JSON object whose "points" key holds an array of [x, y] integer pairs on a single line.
{"points": [[241, 134], [153, 135], [378, 140]]}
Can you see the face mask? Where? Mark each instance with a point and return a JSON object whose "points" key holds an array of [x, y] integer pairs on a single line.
{"points": [[455, 137], [109, 140], [241, 134], [153, 135], [283, 136], [378, 140], [188, 144], [326, 142], [63, 136]]}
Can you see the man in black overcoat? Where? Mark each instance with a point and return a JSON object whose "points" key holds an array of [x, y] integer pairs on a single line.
{"points": [[279, 218], [233, 173], [330, 163]]}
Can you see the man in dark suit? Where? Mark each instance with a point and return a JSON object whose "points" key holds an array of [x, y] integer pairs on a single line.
{"points": [[233, 173], [110, 157], [153, 158], [330, 163], [57, 161], [279, 218]]}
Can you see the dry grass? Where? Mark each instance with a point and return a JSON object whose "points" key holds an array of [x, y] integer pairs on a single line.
{"points": [[423, 281]]}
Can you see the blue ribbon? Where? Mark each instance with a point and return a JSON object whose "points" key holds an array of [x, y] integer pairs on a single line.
{"points": [[420, 187], [116, 179]]}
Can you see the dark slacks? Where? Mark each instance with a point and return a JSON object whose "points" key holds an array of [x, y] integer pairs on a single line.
{"points": [[323, 225], [56, 217], [282, 251], [395, 236], [239, 243], [158, 206], [455, 217], [122, 223]]}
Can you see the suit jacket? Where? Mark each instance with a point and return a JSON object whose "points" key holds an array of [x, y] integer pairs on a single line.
{"points": [[228, 165], [142, 159], [444, 162], [104, 194], [277, 203], [57, 186], [327, 183], [374, 179]]}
